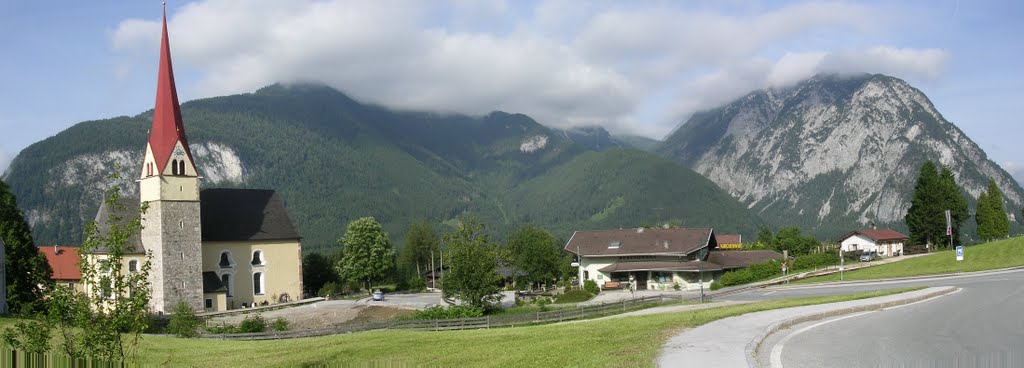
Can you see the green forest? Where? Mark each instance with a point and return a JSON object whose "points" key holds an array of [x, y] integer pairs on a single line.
{"points": [[334, 160]]}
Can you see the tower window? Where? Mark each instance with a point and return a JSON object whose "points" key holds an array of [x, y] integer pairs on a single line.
{"points": [[257, 283], [181, 167], [174, 167], [257, 258]]}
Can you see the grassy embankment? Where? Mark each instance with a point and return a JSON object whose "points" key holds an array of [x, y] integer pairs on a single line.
{"points": [[989, 256], [629, 341]]}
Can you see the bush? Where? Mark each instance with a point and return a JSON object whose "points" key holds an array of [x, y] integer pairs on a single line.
{"points": [[574, 296], [455, 311], [676, 286], [222, 329], [279, 324], [752, 273], [253, 323], [716, 285], [416, 283], [330, 289], [819, 260], [591, 287], [184, 322]]}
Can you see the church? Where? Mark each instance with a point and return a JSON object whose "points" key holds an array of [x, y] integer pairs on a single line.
{"points": [[215, 248]]}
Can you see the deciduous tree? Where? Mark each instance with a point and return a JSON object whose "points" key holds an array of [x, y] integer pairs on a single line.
{"points": [[317, 270], [535, 252], [367, 254], [473, 260], [421, 243]]}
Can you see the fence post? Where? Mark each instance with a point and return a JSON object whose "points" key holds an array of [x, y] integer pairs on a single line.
{"points": [[488, 322]]}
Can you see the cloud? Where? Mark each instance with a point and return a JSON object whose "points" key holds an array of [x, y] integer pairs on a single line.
{"points": [[565, 63], [5, 161], [1015, 169]]}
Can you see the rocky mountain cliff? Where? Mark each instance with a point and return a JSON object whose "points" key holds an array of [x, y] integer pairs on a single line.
{"points": [[832, 153]]}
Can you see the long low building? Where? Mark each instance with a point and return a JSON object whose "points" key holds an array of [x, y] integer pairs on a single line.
{"points": [[657, 258]]}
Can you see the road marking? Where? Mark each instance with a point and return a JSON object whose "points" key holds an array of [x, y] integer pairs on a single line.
{"points": [[769, 293], [924, 300], [776, 359]]}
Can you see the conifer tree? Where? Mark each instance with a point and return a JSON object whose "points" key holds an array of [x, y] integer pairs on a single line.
{"points": [[26, 267], [934, 193], [991, 214]]}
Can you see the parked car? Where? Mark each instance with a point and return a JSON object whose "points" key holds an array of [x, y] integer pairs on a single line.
{"points": [[868, 256], [378, 295]]}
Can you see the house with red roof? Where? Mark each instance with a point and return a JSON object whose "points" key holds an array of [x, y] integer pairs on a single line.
{"points": [[64, 262], [885, 242]]}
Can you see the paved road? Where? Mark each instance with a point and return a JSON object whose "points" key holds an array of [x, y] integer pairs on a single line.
{"points": [[980, 325]]}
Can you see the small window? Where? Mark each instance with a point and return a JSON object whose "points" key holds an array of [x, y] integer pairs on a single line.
{"points": [[257, 258], [614, 245], [209, 303], [133, 265], [225, 260], [226, 280], [174, 167], [257, 283]]}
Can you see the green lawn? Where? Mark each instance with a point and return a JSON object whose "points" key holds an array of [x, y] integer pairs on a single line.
{"points": [[630, 341], [988, 256]]}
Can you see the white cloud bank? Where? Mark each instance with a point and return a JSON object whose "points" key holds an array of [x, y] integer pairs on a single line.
{"points": [[632, 67]]}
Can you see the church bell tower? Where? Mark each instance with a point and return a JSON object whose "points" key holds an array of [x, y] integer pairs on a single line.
{"points": [[169, 183]]}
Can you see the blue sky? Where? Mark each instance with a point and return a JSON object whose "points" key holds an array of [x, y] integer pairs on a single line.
{"points": [[633, 67]]}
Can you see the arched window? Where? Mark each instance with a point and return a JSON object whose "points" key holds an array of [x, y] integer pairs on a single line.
{"points": [[181, 167], [226, 280], [174, 167], [225, 260], [133, 265], [257, 283], [257, 258]]}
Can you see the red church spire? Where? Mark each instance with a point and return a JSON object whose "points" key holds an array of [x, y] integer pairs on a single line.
{"points": [[167, 126]]}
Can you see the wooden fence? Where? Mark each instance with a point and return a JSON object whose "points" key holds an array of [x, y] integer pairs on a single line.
{"points": [[512, 320]]}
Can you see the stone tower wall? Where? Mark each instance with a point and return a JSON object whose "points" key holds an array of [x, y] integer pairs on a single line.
{"points": [[172, 231]]}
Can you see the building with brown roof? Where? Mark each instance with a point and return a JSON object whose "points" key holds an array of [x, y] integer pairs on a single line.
{"points": [[656, 258], [730, 241], [885, 242]]}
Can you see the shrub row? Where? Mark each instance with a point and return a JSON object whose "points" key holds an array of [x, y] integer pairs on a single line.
{"points": [[818, 260], [752, 273], [455, 311], [590, 286], [574, 296]]}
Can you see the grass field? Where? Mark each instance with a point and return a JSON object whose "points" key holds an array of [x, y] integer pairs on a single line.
{"points": [[623, 342], [988, 256]]}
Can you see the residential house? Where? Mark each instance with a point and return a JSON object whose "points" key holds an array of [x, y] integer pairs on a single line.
{"points": [[885, 242], [656, 258], [63, 261]]}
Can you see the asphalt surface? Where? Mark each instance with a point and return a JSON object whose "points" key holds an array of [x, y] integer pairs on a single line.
{"points": [[980, 325]]}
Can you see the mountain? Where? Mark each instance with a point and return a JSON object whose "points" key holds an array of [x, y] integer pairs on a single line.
{"points": [[638, 142], [593, 138], [832, 153], [334, 159]]}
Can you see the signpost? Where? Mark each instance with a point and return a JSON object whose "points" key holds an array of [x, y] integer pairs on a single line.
{"points": [[959, 253]]}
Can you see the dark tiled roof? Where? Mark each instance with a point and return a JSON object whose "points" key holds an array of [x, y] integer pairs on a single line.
{"points": [[679, 241], [127, 210], [63, 260], [661, 266], [730, 259], [212, 283], [729, 239], [244, 214], [878, 234]]}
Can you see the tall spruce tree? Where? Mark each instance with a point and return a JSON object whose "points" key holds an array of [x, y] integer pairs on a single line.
{"points": [[991, 217], [923, 216], [27, 268], [954, 200], [935, 192]]}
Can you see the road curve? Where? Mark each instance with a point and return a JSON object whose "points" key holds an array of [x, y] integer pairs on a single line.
{"points": [[980, 325]]}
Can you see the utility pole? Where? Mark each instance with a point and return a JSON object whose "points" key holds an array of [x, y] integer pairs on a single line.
{"points": [[840, 262]]}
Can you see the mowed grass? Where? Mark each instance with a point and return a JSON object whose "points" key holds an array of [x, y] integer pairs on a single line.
{"points": [[623, 342], [989, 256]]}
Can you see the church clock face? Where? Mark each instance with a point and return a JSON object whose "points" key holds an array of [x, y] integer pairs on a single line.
{"points": [[179, 152]]}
